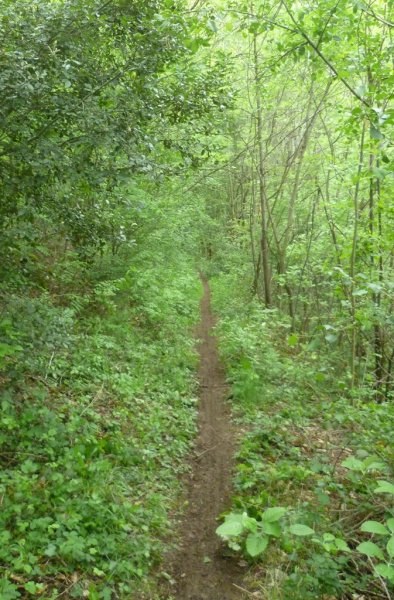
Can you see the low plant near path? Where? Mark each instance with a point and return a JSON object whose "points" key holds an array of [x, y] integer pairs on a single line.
{"points": [[313, 510]]}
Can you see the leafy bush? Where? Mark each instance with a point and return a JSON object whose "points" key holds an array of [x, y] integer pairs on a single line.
{"points": [[97, 415], [309, 448]]}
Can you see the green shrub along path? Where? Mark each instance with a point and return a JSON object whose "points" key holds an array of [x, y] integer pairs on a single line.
{"points": [[141, 143], [312, 510], [94, 431]]}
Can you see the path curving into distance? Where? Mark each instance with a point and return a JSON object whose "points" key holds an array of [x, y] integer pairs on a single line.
{"points": [[200, 568]]}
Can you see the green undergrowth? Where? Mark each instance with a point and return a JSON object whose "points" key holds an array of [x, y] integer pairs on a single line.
{"points": [[98, 410], [319, 452]]}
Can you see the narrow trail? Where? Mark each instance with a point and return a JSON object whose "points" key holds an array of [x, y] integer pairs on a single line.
{"points": [[200, 569]]}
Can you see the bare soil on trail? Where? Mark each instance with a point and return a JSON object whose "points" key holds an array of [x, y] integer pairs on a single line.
{"points": [[200, 568]]}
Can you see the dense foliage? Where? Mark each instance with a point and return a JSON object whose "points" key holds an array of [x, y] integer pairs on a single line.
{"points": [[102, 101], [139, 142], [321, 463], [97, 415], [304, 284]]}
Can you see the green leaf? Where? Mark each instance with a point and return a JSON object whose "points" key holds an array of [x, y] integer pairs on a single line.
{"points": [[320, 377], [375, 466], [8, 350], [256, 544], [8, 591], [376, 134], [390, 547], [374, 527], [93, 593], [292, 340], [375, 287], [384, 487], [33, 588], [212, 25], [106, 593], [238, 517], [390, 524], [271, 528], [301, 530], [352, 463], [370, 549], [254, 26], [342, 545], [249, 523], [50, 550], [229, 528], [385, 571], [372, 463], [271, 515], [379, 173]]}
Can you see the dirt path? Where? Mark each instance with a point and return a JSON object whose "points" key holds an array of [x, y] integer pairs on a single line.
{"points": [[200, 569]]}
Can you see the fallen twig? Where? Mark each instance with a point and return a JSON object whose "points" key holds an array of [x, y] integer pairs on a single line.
{"points": [[243, 590], [207, 450]]}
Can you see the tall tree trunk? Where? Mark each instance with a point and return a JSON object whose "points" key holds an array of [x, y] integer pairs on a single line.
{"points": [[352, 269], [265, 259], [377, 342]]}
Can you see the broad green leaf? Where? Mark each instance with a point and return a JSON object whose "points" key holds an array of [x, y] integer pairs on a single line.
{"points": [[271, 528], [256, 544], [249, 523], [273, 514], [372, 463], [342, 545], [390, 524], [301, 530], [376, 134], [390, 547], [238, 517], [384, 487], [370, 549], [375, 287], [374, 527], [352, 463], [385, 571], [375, 466], [229, 528], [33, 588]]}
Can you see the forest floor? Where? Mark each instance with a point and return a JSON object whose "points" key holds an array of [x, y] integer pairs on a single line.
{"points": [[200, 568]]}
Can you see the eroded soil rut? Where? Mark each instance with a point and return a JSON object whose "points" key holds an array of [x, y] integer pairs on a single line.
{"points": [[200, 569]]}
